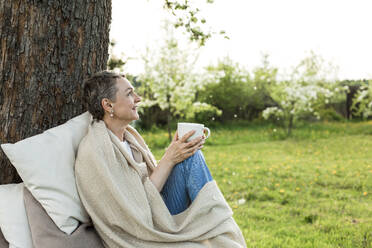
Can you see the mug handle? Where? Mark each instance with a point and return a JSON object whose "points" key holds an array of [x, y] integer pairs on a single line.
{"points": [[208, 131]]}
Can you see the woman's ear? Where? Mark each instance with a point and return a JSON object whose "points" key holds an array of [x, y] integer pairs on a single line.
{"points": [[107, 105]]}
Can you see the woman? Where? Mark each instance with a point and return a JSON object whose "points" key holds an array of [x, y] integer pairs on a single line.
{"points": [[134, 201]]}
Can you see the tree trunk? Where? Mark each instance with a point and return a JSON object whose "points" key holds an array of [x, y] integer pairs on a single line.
{"points": [[47, 48], [353, 90], [169, 118], [290, 125]]}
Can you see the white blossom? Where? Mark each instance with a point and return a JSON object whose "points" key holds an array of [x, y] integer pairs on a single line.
{"points": [[296, 98], [271, 111]]}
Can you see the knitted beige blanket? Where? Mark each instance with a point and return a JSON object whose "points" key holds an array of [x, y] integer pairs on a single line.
{"points": [[128, 211]]}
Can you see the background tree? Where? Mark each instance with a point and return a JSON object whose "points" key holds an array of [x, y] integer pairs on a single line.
{"points": [[233, 90], [169, 81], [187, 16], [47, 48], [362, 104], [264, 77], [306, 91], [227, 88]]}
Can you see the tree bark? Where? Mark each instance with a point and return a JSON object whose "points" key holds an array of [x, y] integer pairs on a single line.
{"points": [[290, 125], [47, 48], [353, 90], [169, 118]]}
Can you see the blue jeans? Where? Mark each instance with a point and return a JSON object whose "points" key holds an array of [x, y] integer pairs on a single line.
{"points": [[184, 183]]}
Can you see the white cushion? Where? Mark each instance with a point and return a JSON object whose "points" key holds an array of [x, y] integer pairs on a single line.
{"points": [[45, 162], [13, 218]]}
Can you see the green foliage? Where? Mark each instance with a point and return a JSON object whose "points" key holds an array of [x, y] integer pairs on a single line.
{"points": [[203, 113], [231, 89], [226, 87], [264, 76], [310, 190], [329, 114], [114, 62], [187, 16], [362, 104]]}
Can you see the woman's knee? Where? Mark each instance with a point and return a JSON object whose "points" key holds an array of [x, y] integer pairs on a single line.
{"points": [[194, 172], [197, 165], [194, 164], [196, 158]]}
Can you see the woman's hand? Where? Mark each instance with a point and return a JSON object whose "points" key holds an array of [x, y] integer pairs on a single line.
{"points": [[177, 151], [181, 149]]}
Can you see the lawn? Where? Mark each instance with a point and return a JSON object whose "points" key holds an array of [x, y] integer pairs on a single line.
{"points": [[311, 190]]}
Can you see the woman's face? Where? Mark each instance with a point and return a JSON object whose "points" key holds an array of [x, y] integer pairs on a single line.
{"points": [[125, 106]]}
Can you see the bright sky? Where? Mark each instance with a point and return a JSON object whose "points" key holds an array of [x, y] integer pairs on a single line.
{"points": [[338, 30]]}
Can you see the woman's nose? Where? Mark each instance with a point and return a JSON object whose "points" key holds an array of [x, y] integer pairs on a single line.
{"points": [[138, 98]]}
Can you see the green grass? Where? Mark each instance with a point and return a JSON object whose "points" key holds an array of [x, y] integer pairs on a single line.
{"points": [[311, 190]]}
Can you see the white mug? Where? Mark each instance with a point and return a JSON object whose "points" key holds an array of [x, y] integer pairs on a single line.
{"points": [[185, 127]]}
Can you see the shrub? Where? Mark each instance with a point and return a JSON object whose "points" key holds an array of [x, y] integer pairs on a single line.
{"points": [[329, 114]]}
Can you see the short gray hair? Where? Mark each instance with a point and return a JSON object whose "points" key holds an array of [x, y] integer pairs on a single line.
{"points": [[101, 85]]}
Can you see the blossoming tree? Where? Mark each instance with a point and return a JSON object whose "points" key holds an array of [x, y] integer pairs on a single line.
{"points": [[170, 82], [363, 101], [306, 90]]}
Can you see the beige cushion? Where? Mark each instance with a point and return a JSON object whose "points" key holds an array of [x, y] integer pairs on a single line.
{"points": [[13, 218], [46, 234], [45, 163], [3, 242]]}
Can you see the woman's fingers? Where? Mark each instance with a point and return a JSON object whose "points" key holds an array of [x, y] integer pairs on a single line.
{"points": [[180, 149], [191, 151], [187, 135], [193, 142]]}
